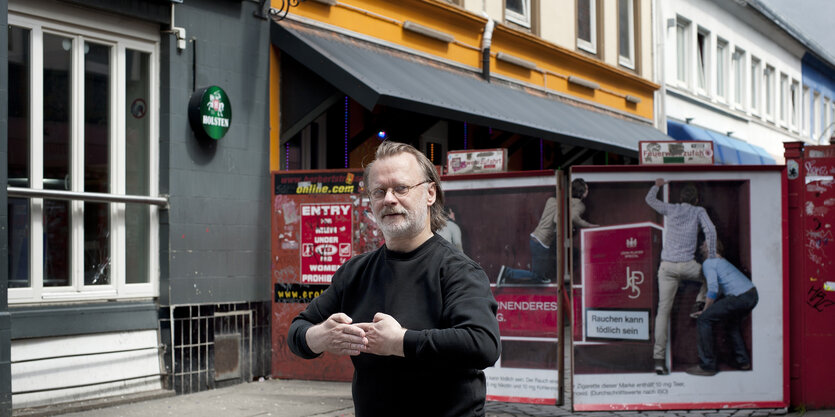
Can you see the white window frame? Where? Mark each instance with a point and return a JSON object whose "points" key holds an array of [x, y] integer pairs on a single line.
{"points": [[683, 48], [83, 26], [783, 107], [816, 125], [522, 19], [794, 100], [702, 79], [756, 86], [739, 80], [627, 61], [590, 45], [770, 97], [806, 115], [825, 103], [722, 48]]}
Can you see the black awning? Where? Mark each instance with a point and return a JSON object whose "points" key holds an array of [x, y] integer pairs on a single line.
{"points": [[374, 76]]}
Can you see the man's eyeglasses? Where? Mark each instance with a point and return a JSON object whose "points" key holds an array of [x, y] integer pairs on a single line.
{"points": [[399, 191]]}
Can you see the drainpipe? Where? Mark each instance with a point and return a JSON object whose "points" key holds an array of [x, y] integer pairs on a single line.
{"points": [[485, 46]]}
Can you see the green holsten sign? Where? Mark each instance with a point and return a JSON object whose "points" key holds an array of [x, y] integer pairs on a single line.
{"points": [[210, 112]]}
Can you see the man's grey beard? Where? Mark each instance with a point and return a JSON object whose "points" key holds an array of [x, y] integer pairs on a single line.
{"points": [[412, 226]]}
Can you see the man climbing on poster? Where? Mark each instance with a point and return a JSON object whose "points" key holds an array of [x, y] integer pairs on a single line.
{"points": [[682, 222]]}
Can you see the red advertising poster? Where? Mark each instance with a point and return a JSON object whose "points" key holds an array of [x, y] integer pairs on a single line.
{"points": [[511, 225], [643, 337], [325, 240]]}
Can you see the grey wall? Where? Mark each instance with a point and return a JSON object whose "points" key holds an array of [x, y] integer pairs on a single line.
{"points": [[215, 237]]}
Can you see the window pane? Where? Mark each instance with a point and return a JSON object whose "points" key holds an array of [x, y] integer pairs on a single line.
{"points": [[56, 111], [19, 233], [96, 243], [96, 162], [681, 52], [700, 63], [96, 118], [720, 69], [137, 146], [18, 155], [56, 223], [624, 36], [755, 76], [793, 107], [739, 76], [784, 87], [515, 6], [769, 90], [584, 20], [19, 99], [57, 61]]}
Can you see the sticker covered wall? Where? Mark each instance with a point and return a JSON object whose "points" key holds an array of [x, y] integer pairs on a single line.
{"points": [[320, 219]]}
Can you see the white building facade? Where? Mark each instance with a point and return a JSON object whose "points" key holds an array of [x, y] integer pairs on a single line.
{"points": [[727, 68]]}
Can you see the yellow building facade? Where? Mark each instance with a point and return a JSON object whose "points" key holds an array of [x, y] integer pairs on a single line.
{"points": [[544, 60]]}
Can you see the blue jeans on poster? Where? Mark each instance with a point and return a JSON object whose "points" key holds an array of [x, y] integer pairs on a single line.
{"points": [[729, 310], [543, 265]]}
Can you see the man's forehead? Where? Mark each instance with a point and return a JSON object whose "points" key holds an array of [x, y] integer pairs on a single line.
{"points": [[401, 166]]}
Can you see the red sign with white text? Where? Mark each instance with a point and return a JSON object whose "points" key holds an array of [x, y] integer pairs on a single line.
{"points": [[325, 240], [527, 312]]}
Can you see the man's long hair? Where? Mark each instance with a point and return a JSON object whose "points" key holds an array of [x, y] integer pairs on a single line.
{"points": [[388, 149]]}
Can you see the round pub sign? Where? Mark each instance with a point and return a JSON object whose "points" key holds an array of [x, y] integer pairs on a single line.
{"points": [[209, 112]]}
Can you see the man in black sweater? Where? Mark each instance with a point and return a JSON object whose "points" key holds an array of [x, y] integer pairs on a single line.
{"points": [[417, 317]]}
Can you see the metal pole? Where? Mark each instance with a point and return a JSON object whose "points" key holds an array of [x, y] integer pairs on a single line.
{"points": [[96, 197]]}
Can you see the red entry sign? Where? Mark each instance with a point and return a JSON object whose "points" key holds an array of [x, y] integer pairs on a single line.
{"points": [[325, 240]]}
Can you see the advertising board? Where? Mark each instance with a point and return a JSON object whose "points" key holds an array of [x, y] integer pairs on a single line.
{"points": [[499, 216], [634, 300]]}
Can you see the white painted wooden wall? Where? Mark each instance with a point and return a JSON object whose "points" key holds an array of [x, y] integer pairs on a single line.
{"points": [[37, 365]]}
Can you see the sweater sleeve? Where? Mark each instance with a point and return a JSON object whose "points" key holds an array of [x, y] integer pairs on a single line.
{"points": [[654, 202], [710, 232], [471, 339], [316, 312]]}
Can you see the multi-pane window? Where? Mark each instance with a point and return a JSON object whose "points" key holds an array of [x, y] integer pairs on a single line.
{"points": [[755, 85], [518, 11], [739, 77], [784, 96], [816, 116], [626, 33], [768, 80], [823, 119], [682, 50], [701, 60], [587, 25], [793, 107], [80, 122], [806, 116], [721, 69]]}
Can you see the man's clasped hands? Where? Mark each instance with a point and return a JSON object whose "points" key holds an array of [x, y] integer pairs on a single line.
{"points": [[339, 335]]}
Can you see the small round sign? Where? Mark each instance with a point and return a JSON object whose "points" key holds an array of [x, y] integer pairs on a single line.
{"points": [[210, 112]]}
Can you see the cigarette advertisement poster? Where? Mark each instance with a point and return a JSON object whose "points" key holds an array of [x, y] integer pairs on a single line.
{"points": [[641, 341], [319, 220], [498, 216]]}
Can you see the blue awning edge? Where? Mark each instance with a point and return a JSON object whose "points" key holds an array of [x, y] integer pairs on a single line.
{"points": [[727, 150]]}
